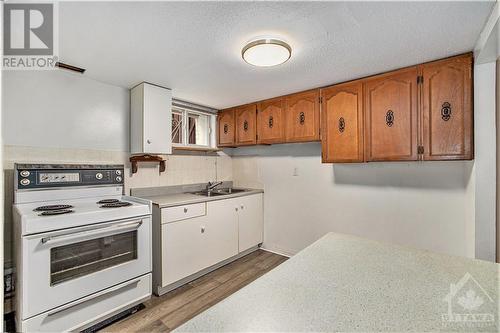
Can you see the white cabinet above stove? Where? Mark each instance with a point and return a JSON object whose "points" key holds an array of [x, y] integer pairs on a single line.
{"points": [[151, 119]]}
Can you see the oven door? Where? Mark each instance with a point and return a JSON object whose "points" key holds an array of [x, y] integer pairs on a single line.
{"points": [[62, 266]]}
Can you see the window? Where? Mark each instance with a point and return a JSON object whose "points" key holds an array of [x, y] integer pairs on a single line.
{"points": [[192, 128]]}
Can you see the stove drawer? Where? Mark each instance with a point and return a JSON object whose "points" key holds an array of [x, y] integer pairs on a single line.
{"points": [[172, 214], [91, 309]]}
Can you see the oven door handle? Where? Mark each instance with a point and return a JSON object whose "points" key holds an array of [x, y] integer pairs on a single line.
{"points": [[100, 230], [91, 297]]}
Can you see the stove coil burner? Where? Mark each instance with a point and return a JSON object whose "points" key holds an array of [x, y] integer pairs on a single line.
{"points": [[52, 208], [116, 204], [55, 212], [107, 201]]}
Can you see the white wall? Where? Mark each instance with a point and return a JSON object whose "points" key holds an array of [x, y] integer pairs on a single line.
{"points": [[485, 160], [420, 204], [57, 108]]}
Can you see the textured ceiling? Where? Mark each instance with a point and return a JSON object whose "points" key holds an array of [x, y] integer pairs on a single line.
{"points": [[194, 47]]}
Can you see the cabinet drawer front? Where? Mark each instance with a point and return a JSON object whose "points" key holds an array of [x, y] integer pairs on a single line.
{"points": [[183, 212]]}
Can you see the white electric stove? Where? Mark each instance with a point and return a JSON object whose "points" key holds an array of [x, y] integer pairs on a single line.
{"points": [[83, 249]]}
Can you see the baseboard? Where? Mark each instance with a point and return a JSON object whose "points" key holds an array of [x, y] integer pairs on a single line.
{"points": [[288, 255]]}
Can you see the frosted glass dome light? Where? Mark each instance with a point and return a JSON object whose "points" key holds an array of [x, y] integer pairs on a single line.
{"points": [[266, 52]]}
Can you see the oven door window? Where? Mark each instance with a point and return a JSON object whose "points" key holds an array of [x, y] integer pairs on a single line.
{"points": [[78, 259]]}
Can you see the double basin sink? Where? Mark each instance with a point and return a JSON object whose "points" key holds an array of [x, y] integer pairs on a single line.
{"points": [[218, 192]]}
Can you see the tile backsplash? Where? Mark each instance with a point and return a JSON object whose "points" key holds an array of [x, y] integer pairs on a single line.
{"points": [[180, 169]]}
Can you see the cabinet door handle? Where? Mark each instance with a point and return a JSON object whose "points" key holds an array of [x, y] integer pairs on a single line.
{"points": [[242, 207], [236, 208], [245, 125], [148, 141], [271, 122], [185, 210], [302, 118], [341, 124], [446, 111], [389, 118], [226, 128], [202, 230]]}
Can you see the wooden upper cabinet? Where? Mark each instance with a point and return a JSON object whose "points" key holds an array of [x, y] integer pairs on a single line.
{"points": [[270, 121], [447, 109], [246, 125], [226, 128], [391, 116], [342, 123], [302, 116]]}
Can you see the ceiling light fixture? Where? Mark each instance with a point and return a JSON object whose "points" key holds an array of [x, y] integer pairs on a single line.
{"points": [[266, 52]]}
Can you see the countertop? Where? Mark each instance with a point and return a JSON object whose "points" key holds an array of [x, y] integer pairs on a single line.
{"points": [[177, 199], [346, 283]]}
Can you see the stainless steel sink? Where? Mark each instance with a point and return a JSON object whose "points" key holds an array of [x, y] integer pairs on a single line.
{"points": [[218, 192]]}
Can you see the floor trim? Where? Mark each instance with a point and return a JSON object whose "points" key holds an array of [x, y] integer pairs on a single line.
{"points": [[277, 252]]}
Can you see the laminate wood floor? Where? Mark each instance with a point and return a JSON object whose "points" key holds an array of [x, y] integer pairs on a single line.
{"points": [[165, 313]]}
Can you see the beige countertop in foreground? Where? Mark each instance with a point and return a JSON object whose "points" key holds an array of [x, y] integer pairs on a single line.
{"points": [[177, 199], [345, 283]]}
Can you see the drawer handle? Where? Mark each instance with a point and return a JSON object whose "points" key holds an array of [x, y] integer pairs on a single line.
{"points": [[389, 118], [446, 111], [302, 118], [341, 124], [91, 297], [185, 210], [202, 230]]}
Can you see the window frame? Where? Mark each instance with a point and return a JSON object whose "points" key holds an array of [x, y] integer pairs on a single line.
{"points": [[185, 128]]}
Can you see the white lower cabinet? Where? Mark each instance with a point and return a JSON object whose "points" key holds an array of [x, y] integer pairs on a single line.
{"points": [[250, 221], [190, 245]]}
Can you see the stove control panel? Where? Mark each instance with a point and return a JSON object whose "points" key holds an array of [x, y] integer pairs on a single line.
{"points": [[39, 176]]}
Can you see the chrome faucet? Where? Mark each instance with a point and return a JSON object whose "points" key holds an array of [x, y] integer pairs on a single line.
{"points": [[212, 185]]}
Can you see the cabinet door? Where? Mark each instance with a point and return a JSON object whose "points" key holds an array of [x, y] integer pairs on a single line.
{"points": [[342, 121], [391, 116], [151, 119], [246, 122], [270, 121], [302, 116], [447, 109], [226, 130], [221, 231], [184, 249], [250, 221]]}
